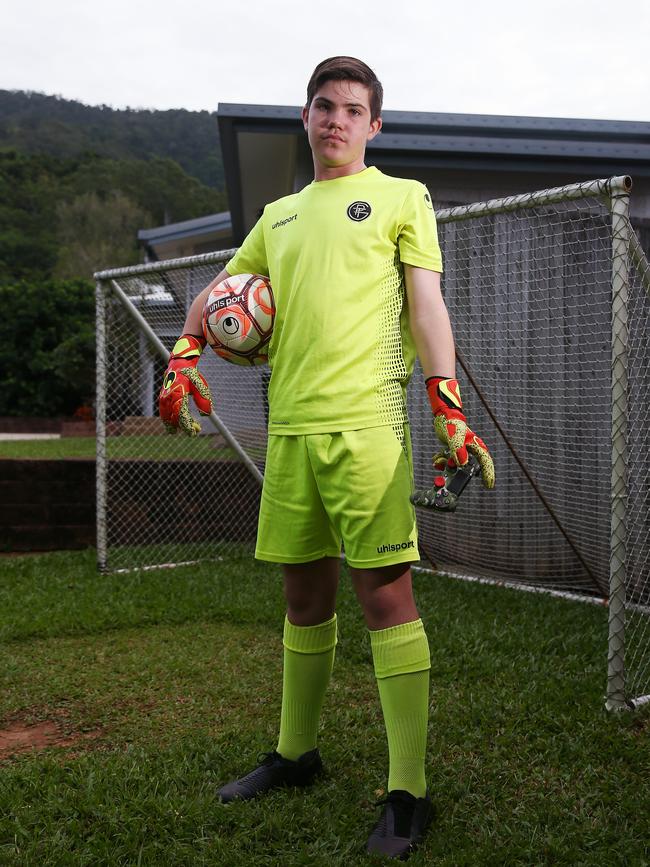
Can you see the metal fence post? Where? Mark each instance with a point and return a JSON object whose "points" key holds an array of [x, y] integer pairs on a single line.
{"points": [[100, 425], [619, 190]]}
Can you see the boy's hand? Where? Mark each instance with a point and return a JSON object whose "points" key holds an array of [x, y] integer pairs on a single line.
{"points": [[181, 380], [451, 429]]}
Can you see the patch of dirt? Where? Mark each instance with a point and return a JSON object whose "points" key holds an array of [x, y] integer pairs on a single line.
{"points": [[19, 737], [640, 725]]}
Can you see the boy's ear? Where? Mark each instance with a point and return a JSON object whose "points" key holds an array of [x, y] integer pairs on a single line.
{"points": [[375, 127], [305, 116]]}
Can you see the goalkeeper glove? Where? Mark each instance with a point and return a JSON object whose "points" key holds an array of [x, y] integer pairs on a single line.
{"points": [[180, 381], [451, 429]]}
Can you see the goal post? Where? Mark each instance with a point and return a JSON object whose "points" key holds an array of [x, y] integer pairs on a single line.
{"points": [[620, 459], [549, 296]]}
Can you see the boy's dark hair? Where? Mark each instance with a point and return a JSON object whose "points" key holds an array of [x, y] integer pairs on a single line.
{"points": [[347, 69]]}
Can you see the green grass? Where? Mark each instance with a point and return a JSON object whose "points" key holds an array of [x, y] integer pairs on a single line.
{"points": [[68, 447], [136, 447], [173, 676]]}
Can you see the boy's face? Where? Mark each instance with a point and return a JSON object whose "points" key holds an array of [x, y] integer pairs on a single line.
{"points": [[339, 125]]}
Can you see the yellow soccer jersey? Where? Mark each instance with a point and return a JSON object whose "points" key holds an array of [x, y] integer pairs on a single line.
{"points": [[341, 353]]}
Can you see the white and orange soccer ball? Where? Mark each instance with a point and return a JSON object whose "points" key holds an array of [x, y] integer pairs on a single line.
{"points": [[238, 318]]}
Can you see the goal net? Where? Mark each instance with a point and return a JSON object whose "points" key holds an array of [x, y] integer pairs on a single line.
{"points": [[549, 296]]}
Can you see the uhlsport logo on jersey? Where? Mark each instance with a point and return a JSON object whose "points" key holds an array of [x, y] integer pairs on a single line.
{"points": [[284, 222], [359, 211], [400, 546]]}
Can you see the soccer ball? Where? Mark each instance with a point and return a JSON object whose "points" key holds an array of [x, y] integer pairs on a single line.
{"points": [[238, 318]]}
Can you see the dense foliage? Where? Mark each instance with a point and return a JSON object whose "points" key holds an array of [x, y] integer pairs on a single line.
{"points": [[93, 204], [77, 182], [47, 344]]}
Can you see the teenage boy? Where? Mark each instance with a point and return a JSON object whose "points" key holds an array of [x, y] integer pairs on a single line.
{"points": [[355, 267]]}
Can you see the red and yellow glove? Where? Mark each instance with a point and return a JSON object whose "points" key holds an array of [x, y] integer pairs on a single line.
{"points": [[451, 429], [180, 381]]}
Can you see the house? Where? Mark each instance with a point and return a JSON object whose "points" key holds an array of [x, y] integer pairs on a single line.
{"points": [[462, 158], [189, 238]]}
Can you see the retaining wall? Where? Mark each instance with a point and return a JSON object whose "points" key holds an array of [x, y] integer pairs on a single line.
{"points": [[48, 505]]}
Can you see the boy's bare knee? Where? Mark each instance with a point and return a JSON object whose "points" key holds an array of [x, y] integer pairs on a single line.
{"points": [[385, 595], [310, 591]]}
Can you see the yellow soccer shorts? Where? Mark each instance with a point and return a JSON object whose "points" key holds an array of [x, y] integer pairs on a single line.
{"points": [[349, 486]]}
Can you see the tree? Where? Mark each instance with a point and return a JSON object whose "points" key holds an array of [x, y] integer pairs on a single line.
{"points": [[28, 193], [159, 186], [47, 347], [87, 206], [98, 232]]}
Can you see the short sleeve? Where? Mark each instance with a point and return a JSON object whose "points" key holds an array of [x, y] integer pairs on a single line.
{"points": [[251, 257], [418, 235]]}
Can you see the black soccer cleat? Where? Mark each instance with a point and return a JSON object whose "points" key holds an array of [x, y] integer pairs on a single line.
{"points": [[274, 772], [401, 826]]}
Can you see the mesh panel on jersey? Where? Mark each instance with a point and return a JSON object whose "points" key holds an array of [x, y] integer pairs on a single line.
{"points": [[390, 367]]}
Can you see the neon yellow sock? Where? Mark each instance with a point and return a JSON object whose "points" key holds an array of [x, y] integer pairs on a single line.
{"points": [[308, 662], [402, 662]]}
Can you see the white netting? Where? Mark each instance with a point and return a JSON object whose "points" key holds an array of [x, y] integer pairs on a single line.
{"points": [[637, 630], [528, 283], [529, 294]]}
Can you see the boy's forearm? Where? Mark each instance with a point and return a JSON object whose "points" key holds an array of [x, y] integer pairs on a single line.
{"points": [[434, 343], [429, 323], [193, 323]]}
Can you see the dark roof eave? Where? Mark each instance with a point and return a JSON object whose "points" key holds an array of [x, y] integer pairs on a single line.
{"points": [[496, 162], [519, 148], [210, 224], [465, 124]]}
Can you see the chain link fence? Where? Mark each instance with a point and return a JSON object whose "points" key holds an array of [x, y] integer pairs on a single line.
{"points": [[550, 302], [635, 682], [169, 499]]}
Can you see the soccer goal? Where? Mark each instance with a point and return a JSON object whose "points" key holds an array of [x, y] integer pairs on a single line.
{"points": [[549, 295]]}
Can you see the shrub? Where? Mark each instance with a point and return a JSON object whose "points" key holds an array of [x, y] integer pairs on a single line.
{"points": [[47, 347]]}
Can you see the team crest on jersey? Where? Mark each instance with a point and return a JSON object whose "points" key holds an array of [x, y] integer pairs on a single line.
{"points": [[359, 211]]}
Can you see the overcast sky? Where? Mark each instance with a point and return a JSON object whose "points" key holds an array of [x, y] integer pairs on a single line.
{"points": [[559, 58]]}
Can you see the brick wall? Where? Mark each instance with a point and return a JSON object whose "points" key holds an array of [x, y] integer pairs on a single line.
{"points": [[50, 505], [64, 426], [155, 501], [18, 424], [46, 505]]}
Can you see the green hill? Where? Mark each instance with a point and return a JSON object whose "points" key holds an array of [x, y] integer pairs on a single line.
{"points": [[78, 181], [38, 123]]}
